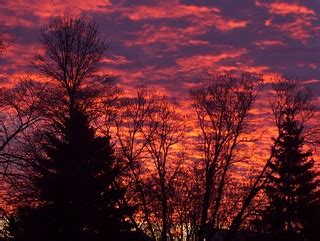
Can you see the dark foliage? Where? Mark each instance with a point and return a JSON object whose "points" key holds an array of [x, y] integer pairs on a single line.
{"points": [[292, 190], [72, 173], [75, 178]]}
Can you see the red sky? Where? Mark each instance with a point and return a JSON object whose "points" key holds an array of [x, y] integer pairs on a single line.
{"points": [[171, 43]]}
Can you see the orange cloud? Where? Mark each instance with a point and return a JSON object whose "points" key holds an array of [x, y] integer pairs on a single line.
{"points": [[116, 60], [48, 8], [198, 62], [162, 34], [312, 81], [244, 68], [300, 29], [269, 43], [168, 11], [227, 25], [170, 35], [282, 8], [201, 19], [210, 63], [285, 8]]}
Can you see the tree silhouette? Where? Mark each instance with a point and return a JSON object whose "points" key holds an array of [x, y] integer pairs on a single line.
{"points": [[75, 178], [150, 135], [292, 187], [222, 104], [20, 110], [71, 172]]}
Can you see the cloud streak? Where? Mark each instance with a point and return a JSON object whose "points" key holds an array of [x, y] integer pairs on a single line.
{"points": [[169, 43]]}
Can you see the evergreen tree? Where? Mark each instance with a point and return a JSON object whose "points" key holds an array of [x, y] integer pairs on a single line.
{"points": [[75, 178], [292, 189], [73, 171]]}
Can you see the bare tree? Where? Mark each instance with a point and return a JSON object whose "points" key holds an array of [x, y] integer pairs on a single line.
{"points": [[20, 109], [126, 118], [133, 115], [71, 170], [164, 152], [187, 198], [72, 52], [73, 49], [20, 113], [222, 104], [289, 95], [149, 131]]}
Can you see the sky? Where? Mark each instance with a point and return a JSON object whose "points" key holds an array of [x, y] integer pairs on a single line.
{"points": [[172, 43]]}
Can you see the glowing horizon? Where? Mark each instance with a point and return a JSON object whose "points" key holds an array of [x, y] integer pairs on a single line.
{"points": [[170, 44]]}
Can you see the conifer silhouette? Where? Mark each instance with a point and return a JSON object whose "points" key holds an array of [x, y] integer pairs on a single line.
{"points": [[75, 178], [292, 189], [73, 171]]}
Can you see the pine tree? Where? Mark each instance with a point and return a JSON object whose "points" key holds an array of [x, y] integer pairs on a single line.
{"points": [[75, 178], [292, 189], [73, 171]]}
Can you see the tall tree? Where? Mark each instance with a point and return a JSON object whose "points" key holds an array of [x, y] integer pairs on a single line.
{"points": [[149, 131], [73, 49], [223, 105], [71, 171], [131, 120], [75, 182], [164, 150], [293, 187]]}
